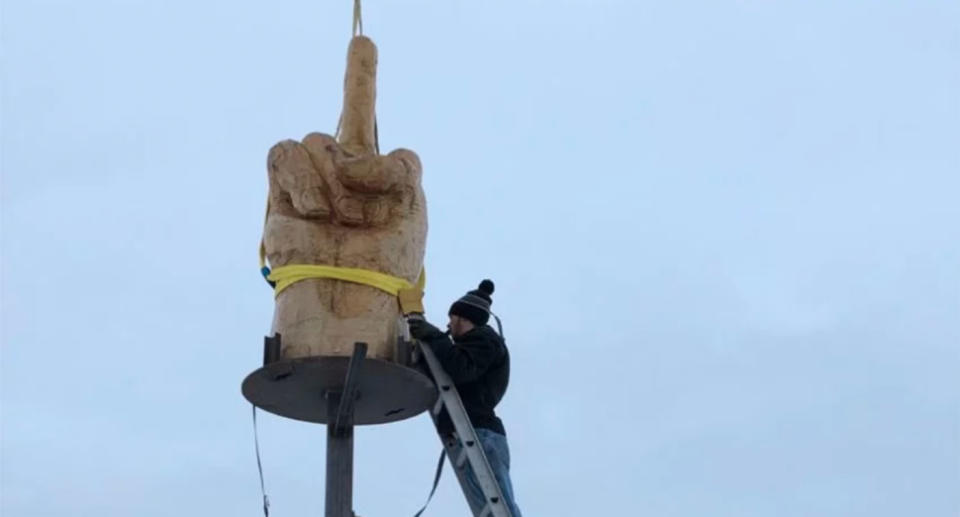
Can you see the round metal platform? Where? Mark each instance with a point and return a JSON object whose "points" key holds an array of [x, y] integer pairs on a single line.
{"points": [[297, 388]]}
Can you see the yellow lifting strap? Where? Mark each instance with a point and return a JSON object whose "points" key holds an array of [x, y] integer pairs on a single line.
{"points": [[409, 296]]}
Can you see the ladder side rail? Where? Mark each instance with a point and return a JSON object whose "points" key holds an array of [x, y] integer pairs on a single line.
{"points": [[451, 447], [466, 434]]}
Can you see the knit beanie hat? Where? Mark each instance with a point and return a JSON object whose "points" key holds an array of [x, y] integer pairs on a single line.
{"points": [[475, 305]]}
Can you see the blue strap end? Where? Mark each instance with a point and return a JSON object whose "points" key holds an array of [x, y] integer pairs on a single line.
{"points": [[265, 271]]}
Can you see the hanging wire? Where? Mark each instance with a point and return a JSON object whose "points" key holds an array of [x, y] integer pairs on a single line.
{"points": [[357, 19], [256, 445]]}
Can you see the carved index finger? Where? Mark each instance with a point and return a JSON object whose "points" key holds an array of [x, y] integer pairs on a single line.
{"points": [[357, 132]]}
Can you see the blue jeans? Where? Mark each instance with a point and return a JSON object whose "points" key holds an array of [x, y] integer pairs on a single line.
{"points": [[498, 455]]}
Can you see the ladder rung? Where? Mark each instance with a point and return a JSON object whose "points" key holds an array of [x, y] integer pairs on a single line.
{"points": [[462, 458], [488, 509], [438, 407]]}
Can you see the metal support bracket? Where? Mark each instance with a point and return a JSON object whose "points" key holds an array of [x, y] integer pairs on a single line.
{"points": [[271, 349]]}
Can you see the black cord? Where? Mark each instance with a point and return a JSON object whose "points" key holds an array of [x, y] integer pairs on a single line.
{"points": [[436, 481], [256, 445]]}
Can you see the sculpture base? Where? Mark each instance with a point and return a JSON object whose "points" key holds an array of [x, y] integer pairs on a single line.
{"points": [[300, 388]]}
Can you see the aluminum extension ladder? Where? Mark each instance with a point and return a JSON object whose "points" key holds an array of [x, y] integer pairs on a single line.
{"points": [[464, 449]]}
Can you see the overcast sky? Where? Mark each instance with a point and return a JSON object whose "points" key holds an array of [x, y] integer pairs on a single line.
{"points": [[725, 237]]}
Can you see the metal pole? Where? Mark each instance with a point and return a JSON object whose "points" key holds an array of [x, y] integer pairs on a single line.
{"points": [[340, 405], [339, 464]]}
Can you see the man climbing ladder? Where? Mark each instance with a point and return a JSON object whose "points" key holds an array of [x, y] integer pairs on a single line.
{"points": [[477, 361]]}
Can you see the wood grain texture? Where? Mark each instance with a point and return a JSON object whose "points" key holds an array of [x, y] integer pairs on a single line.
{"points": [[340, 203]]}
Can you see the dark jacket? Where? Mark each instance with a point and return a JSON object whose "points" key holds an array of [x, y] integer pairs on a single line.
{"points": [[479, 365]]}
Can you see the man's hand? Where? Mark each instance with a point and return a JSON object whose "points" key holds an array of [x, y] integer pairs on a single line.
{"points": [[422, 329]]}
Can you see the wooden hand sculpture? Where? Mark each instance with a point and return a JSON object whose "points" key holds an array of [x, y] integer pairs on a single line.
{"points": [[337, 202]]}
